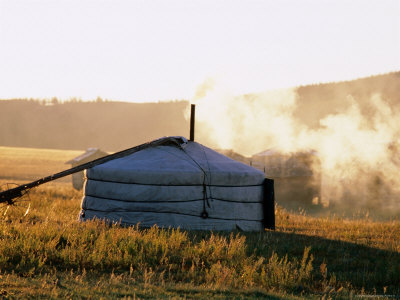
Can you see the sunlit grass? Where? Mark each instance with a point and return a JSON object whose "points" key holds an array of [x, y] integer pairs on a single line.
{"points": [[48, 253], [305, 256], [28, 164]]}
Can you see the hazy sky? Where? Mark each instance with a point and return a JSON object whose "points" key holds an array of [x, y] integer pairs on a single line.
{"points": [[151, 50]]}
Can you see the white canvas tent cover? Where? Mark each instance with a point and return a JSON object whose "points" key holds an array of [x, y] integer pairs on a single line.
{"points": [[176, 184]]}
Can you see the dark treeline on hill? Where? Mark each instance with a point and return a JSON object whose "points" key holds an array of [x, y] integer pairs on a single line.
{"points": [[111, 126], [114, 126]]}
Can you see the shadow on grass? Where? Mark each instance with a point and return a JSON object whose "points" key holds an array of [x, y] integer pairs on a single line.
{"points": [[205, 293], [373, 270]]}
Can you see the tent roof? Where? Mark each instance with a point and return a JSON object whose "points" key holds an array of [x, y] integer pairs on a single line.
{"points": [[189, 163]]}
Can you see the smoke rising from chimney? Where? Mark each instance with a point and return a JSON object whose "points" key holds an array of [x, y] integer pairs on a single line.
{"points": [[358, 143]]}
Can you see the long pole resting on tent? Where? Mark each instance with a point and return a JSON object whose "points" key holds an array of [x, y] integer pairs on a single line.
{"points": [[8, 196]]}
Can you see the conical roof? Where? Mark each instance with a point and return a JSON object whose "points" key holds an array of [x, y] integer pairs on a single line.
{"points": [[190, 163]]}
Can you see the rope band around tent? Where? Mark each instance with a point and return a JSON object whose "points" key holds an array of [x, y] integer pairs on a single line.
{"points": [[170, 201], [171, 212], [160, 184]]}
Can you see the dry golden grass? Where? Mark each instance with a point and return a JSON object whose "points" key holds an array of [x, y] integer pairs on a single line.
{"points": [[28, 164], [49, 254]]}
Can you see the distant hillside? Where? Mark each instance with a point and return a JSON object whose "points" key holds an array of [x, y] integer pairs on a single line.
{"points": [[115, 126], [317, 101], [111, 126]]}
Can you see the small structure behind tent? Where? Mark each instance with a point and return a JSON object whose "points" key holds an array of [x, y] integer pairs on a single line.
{"points": [[234, 155], [297, 176], [89, 155]]}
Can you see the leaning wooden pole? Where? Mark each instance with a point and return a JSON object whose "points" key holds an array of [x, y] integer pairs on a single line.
{"points": [[11, 194]]}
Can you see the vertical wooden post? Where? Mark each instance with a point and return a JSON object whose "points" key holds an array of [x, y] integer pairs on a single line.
{"points": [[269, 204], [192, 121]]}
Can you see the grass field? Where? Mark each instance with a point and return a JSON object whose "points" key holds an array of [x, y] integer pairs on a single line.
{"points": [[49, 254], [28, 164]]}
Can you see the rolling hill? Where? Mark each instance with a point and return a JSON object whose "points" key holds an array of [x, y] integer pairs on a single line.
{"points": [[114, 126]]}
